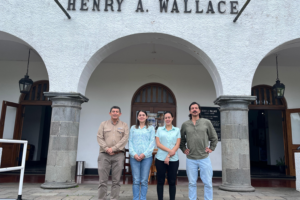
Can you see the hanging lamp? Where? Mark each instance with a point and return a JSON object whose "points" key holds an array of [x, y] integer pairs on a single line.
{"points": [[26, 83], [278, 88]]}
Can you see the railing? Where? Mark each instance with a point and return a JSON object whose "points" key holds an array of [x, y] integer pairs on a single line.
{"points": [[22, 167]]}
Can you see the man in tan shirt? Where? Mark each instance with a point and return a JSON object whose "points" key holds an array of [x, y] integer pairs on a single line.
{"points": [[112, 137]]}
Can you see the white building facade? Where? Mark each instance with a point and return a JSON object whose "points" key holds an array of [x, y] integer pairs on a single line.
{"points": [[100, 58]]}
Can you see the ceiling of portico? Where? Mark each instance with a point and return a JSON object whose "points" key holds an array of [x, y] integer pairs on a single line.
{"points": [[151, 54], [14, 51], [286, 57]]}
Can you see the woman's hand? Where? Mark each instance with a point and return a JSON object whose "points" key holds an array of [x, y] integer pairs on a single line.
{"points": [[137, 158], [172, 152], [142, 156], [167, 160]]}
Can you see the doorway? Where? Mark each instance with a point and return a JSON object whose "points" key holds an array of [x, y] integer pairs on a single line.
{"points": [[267, 134], [153, 98], [27, 120], [266, 142], [36, 130]]}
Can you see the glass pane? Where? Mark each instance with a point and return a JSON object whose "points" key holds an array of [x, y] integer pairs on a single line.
{"points": [[144, 96], [160, 118], [27, 96], [268, 96], [33, 94], [154, 94], [257, 95], [170, 99], [149, 95], [295, 122], [165, 96], [137, 98], [159, 95], [44, 90], [273, 98], [39, 92], [262, 96], [9, 124]]}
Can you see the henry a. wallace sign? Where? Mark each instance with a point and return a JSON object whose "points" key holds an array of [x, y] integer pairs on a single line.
{"points": [[192, 6]]}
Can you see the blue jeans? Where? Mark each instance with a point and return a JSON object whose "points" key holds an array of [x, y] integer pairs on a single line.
{"points": [[140, 174], [206, 174]]}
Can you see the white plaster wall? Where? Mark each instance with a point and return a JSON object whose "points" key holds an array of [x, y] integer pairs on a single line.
{"points": [[289, 75], [115, 84], [234, 50], [275, 136]]}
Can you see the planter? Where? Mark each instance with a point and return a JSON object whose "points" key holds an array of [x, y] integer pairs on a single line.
{"points": [[282, 169]]}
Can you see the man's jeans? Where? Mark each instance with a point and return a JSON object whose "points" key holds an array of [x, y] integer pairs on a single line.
{"points": [[206, 173], [140, 174]]}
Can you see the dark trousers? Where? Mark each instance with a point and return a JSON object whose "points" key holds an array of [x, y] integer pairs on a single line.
{"points": [[171, 170]]}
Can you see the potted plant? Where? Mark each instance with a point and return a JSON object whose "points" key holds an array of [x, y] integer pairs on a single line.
{"points": [[281, 164]]}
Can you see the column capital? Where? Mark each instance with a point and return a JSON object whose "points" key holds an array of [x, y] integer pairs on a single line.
{"points": [[224, 99], [66, 95]]}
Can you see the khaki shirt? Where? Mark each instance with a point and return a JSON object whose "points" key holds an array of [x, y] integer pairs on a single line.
{"points": [[112, 136]]}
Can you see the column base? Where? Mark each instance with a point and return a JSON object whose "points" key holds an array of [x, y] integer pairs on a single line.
{"points": [[237, 188], [58, 185]]}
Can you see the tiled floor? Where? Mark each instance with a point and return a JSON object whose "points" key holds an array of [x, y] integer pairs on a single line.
{"points": [[283, 183], [32, 191]]}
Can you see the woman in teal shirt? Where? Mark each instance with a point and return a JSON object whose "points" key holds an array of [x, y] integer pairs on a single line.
{"points": [[141, 145], [168, 141]]}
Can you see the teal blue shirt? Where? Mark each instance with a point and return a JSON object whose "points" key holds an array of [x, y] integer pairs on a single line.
{"points": [[168, 139], [141, 141]]}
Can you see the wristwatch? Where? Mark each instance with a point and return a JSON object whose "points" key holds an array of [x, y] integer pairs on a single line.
{"points": [[168, 156]]}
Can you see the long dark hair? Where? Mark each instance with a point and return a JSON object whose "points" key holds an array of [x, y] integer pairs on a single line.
{"points": [[138, 122], [190, 115]]}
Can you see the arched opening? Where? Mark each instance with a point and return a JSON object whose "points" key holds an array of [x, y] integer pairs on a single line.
{"points": [[144, 63], [267, 133], [150, 39], [153, 98], [13, 63], [288, 108]]}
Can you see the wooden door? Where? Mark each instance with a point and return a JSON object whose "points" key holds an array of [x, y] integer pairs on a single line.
{"points": [[293, 134], [11, 114]]}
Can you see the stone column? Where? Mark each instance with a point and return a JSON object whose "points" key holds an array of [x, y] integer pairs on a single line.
{"points": [[235, 143], [62, 151]]}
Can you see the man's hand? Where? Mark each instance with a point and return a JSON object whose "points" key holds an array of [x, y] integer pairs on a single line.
{"points": [[172, 152], [186, 152], [109, 151], [137, 158], [167, 160], [208, 150], [142, 156], [111, 154]]}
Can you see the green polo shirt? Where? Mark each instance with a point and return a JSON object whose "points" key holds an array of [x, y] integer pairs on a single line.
{"points": [[197, 138]]}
